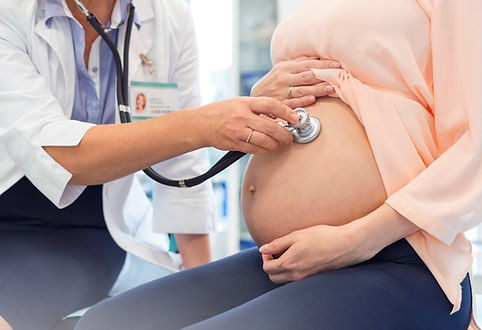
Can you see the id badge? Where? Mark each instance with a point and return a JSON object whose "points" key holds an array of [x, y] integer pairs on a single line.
{"points": [[149, 99]]}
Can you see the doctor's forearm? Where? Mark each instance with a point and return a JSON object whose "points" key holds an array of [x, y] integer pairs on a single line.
{"points": [[108, 152]]}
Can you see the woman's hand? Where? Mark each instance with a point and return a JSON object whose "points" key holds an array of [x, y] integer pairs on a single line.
{"points": [[293, 82], [237, 124], [323, 248], [314, 250]]}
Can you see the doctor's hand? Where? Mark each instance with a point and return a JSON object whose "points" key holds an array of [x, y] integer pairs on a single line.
{"points": [[314, 250], [293, 82], [242, 124]]}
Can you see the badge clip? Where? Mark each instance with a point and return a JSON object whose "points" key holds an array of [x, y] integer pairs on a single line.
{"points": [[146, 61]]}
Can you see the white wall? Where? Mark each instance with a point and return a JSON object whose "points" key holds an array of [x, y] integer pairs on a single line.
{"points": [[286, 7]]}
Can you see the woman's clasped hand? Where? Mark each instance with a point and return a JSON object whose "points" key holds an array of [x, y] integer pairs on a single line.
{"points": [[293, 82], [313, 250]]}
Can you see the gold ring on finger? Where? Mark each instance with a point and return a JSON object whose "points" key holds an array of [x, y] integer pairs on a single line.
{"points": [[250, 135], [290, 92]]}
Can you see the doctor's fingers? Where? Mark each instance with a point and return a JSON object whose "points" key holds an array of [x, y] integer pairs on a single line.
{"points": [[261, 140], [273, 109], [267, 132], [242, 140], [251, 149]]}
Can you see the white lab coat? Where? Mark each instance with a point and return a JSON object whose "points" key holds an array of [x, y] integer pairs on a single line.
{"points": [[37, 79]]}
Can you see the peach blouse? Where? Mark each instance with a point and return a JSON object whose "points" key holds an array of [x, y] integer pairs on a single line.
{"points": [[412, 73]]}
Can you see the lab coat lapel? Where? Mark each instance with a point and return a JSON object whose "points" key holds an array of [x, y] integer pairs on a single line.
{"points": [[63, 49], [140, 44]]}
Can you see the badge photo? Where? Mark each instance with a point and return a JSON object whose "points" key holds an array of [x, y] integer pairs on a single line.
{"points": [[150, 99]]}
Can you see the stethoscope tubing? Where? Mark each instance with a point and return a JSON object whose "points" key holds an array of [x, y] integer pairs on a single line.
{"points": [[123, 99]]}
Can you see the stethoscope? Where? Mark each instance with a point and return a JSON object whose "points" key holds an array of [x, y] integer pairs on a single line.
{"points": [[304, 131]]}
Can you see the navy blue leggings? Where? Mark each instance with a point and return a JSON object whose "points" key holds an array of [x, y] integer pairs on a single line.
{"points": [[392, 291], [52, 262]]}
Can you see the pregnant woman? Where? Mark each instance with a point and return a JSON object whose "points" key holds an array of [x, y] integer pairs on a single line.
{"points": [[362, 228]]}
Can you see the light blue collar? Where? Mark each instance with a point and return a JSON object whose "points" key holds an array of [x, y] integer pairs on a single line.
{"points": [[58, 8]]}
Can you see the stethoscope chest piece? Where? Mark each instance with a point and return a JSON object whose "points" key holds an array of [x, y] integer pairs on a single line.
{"points": [[306, 129], [308, 133]]}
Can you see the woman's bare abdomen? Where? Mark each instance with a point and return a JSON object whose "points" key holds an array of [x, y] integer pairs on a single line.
{"points": [[332, 180]]}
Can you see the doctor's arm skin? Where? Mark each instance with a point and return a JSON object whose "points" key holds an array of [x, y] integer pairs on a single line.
{"points": [[109, 152], [194, 249]]}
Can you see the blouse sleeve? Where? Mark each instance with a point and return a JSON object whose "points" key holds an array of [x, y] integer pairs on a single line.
{"points": [[446, 198]]}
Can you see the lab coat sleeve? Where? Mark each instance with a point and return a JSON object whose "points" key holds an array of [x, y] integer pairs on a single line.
{"points": [[445, 199], [31, 117], [184, 210]]}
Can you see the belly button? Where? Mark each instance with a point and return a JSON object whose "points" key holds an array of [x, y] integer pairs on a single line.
{"points": [[252, 189]]}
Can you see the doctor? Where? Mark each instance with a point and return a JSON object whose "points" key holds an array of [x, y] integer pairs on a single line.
{"points": [[66, 167]]}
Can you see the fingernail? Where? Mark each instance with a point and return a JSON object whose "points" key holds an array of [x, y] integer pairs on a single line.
{"points": [[263, 248], [329, 89], [335, 65], [295, 117]]}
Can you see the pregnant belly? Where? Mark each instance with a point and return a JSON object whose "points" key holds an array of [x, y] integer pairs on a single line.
{"points": [[332, 180]]}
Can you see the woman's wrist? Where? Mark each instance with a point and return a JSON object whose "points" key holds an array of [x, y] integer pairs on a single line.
{"points": [[379, 229]]}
